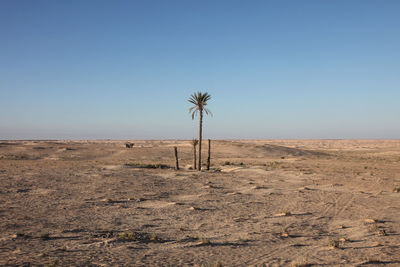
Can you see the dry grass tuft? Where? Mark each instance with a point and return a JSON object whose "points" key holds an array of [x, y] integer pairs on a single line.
{"points": [[344, 239], [129, 236], [204, 241], [44, 236], [155, 237], [302, 263], [148, 166], [381, 232], [372, 261], [52, 263], [216, 264], [333, 243], [19, 235]]}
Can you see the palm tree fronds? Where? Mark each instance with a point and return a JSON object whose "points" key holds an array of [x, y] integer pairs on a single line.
{"points": [[207, 111], [199, 100]]}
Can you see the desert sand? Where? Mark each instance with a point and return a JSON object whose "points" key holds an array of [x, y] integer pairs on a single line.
{"points": [[263, 203]]}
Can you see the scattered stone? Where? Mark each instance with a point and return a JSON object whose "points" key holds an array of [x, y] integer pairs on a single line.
{"points": [[282, 214], [285, 234]]}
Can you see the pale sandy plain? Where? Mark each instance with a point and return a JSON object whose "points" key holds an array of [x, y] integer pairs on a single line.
{"points": [[278, 203]]}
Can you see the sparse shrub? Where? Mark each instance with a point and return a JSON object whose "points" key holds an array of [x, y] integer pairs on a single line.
{"points": [[129, 236], [106, 233], [148, 166], [216, 264], [138, 236], [373, 261], [52, 263], [155, 237], [381, 232], [300, 264], [189, 238], [378, 231], [344, 239], [396, 190], [333, 243], [273, 165], [44, 235], [227, 163], [19, 235], [19, 157]]}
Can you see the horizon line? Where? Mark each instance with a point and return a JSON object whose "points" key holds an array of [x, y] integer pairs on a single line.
{"points": [[217, 139]]}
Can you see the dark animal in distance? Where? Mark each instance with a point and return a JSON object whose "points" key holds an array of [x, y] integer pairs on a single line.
{"points": [[129, 145]]}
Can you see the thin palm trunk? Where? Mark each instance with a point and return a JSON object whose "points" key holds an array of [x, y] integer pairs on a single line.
{"points": [[194, 157], [200, 137], [209, 155]]}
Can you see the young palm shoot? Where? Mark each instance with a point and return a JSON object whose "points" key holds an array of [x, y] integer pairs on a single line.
{"points": [[195, 142]]}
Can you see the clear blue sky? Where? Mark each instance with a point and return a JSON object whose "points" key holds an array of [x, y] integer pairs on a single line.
{"points": [[125, 69]]}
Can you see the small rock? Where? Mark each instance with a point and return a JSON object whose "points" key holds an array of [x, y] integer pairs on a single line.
{"points": [[285, 213], [284, 234]]}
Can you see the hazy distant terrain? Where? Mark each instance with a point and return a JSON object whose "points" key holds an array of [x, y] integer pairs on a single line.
{"points": [[275, 202]]}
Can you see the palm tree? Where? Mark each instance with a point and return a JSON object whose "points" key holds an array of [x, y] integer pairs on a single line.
{"points": [[199, 100], [195, 142]]}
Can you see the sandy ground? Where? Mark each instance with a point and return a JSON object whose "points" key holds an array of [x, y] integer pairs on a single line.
{"points": [[263, 203]]}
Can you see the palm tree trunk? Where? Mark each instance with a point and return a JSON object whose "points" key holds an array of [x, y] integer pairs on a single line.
{"points": [[209, 154], [200, 137], [194, 158]]}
